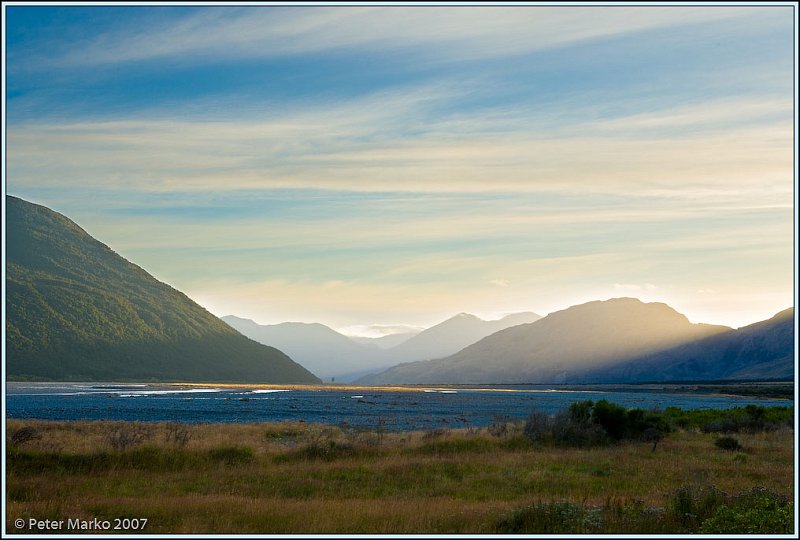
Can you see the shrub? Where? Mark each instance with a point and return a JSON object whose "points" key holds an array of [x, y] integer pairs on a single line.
{"points": [[177, 434], [24, 434], [569, 431], [758, 511], [580, 412], [586, 424], [124, 436], [728, 443], [612, 418], [725, 425], [499, 426], [538, 428], [750, 419]]}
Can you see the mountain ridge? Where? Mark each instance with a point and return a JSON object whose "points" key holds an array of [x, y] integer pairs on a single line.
{"points": [[761, 350], [554, 348], [455, 333], [330, 354], [321, 349], [77, 310]]}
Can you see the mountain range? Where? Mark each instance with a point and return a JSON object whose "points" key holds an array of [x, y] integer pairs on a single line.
{"points": [[763, 350], [320, 349], [619, 340], [78, 311], [329, 354]]}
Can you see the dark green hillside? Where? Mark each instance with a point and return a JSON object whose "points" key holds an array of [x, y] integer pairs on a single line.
{"points": [[78, 311]]}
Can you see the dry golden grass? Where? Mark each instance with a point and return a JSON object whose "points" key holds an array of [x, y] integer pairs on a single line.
{"points": [[290, 478]]}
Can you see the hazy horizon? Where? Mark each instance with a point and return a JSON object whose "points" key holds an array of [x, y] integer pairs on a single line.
{"points": [[377, 331], [373, 167]]}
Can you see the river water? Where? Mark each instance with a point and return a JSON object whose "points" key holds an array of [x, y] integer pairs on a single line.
{"points": [[421, 409]]}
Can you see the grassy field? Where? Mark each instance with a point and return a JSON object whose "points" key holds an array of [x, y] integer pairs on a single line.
{"points": [[286, 478]]}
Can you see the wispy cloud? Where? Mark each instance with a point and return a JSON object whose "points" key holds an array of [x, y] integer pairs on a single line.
{"points": [[449, 32], [369, 145], [332, 161]]}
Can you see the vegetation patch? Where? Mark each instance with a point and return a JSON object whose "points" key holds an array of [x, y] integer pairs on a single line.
{"points": [[704, 510], [757, 511], [587, 424], [730, 444], [749, 419], [234, 479], [328, 450]]}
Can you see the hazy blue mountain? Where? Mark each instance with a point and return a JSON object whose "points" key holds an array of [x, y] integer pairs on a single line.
{"points": [[560, 347], [764, 350], [77, 311], [329, 354], [453, 335], [322, 350]]}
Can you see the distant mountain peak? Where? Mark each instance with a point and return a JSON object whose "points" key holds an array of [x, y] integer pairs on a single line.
{"points": [[561, 346], [239, 319]]}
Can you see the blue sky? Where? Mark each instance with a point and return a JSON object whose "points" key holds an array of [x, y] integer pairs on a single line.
{"points": [[371, 165]]}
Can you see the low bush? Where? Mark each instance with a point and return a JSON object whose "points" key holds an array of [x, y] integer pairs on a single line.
{"points": [[23, 435], [121, 437], [758, 511], [749, 419], [587, 424], [177, 434], [728, 443], [690, 509], [499, 426]]}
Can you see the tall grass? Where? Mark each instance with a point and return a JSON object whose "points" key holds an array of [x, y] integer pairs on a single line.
{"points": [[292, 478]]}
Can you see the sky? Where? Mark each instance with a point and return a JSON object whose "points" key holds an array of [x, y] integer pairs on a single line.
{"points": [[374, 168]]}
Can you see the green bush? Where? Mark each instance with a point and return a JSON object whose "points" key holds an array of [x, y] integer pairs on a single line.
{"points": [[758, 511], [750, 419], [587, 424], [538, 428], [691, 509], [612, 418], [573, 430], [728, 443]]}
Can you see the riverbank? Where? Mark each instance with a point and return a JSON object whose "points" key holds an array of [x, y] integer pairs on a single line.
{"points": [[761, 389]]}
